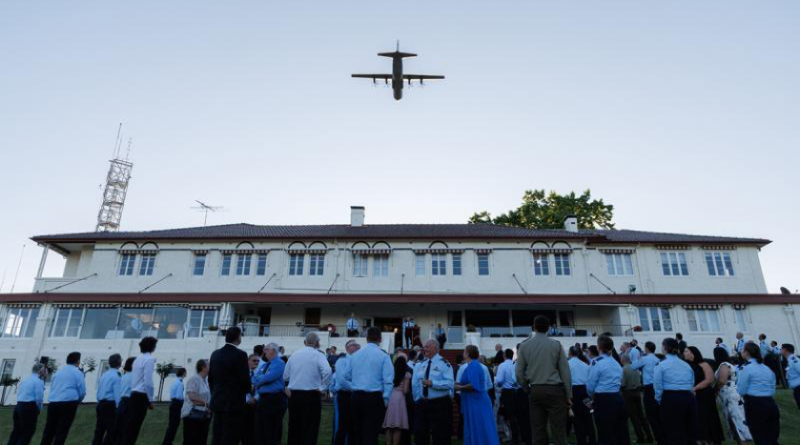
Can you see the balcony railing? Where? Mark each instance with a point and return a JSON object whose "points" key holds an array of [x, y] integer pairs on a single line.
{"points": [[571, 331]]}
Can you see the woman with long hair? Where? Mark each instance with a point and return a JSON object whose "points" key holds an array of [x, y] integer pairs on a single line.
{"points": [[757, 388], [396, 419], [729, 399], [709, 427]]}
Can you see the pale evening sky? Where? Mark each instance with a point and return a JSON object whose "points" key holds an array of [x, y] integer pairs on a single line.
{"points": [[682, 114]]}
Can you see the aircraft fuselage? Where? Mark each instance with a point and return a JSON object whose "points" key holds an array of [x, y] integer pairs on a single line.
{"points": [[397, 77]]}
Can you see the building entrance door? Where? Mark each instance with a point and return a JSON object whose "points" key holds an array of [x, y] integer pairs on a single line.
{"points": [[391, 325]]}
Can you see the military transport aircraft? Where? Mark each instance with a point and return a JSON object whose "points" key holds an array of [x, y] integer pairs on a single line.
{"points": [[397, 77]]}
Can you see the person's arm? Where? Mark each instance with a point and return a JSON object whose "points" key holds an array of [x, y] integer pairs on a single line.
{"points": [[39, 390], [591, 383], [724, 376], [416, 383], [243, 372], [388, 379], [193, 393], [639, 364], [325, 371], [500, 378], [406, 383], [520, 371], [117, 391], [658, 383], [708, 377], [743, 382], [81, 386], [149, 387], [563, 371]]}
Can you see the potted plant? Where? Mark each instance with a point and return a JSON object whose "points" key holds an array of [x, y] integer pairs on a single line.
{"points": [[163, 370], [5, 383], [88, 365], [637, 329]]}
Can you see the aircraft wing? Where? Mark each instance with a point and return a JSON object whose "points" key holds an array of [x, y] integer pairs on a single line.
{"points": [[373, 76], [421, 77]]}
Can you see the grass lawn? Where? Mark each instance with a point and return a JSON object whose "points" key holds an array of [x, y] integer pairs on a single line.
{"points": [[153, 429]]}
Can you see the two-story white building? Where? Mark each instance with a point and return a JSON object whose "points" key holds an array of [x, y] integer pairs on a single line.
{"points": [[483, 283]]}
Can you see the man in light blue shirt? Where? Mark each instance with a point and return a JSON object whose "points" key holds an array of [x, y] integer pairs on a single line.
{"points": [[432, 387], [175, 406], [30, 397], [647, 365], [720, 344], [792, 370], [605, 378], [372, 377], [352, 326], [673, 382], [763, 345], [342, 390], [270, 408], [108, 395], [408, 331], [67, 390], [506, 382], [740, 342]]}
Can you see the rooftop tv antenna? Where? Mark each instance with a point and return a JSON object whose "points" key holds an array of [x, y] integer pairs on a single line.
{"points": [[205, 208], [116, 188]]}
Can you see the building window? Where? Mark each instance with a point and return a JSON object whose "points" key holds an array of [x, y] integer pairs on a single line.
{"points": [[456, 264], [199, 264], [67, 322], [438, 264], [136, 322], [654, 319], [419, 263], [261, 264], [703, 320], [673, 264], [562, 264], [719, 264], [619, 264], [101, 323], [541, 264], [199, 321], [7, 369], [380, 266], [147, 264], [741, 319], [126, 264], [483, 264], [20, 322], [226, 264], [170, 321], [243, 261], [316, 264], [360, 262], [296, 263]]}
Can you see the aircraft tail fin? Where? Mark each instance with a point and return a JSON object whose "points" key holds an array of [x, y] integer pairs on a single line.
{"points": [[397, 53]]}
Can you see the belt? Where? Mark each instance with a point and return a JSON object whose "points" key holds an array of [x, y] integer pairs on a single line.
{"points": [[368, 392], [268, 394]]}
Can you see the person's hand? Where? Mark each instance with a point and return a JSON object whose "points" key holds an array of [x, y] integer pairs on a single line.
{"points": [[427, 383], [288, 392], [151, 406], [569, 403]]}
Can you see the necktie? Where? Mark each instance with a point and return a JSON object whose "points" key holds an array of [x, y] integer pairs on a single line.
{"points": [[427, 377]]}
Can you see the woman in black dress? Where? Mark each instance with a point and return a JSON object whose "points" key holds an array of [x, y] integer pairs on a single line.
{"points": [[709, 427]]}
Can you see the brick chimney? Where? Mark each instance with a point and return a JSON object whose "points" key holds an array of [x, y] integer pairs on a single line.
{"points": [[571, 223], [356, 216]]}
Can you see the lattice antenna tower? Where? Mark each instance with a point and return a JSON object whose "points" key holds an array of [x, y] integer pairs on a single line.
{"points": [[117, 180]]}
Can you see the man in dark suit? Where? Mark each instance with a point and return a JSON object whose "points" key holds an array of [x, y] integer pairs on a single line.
{"points": [[229, 380]]}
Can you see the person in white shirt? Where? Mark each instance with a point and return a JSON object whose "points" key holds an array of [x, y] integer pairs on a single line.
{"points": [[307, 373], [142, 388]]}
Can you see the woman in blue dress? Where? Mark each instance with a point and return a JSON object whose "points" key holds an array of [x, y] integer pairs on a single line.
{"points": [[479, 426]]}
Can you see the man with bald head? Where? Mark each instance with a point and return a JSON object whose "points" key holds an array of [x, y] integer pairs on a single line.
{"points": [[432, 387], [308, 374]]}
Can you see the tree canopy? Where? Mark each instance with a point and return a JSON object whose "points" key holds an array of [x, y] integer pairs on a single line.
{"points": [[541, 210]]}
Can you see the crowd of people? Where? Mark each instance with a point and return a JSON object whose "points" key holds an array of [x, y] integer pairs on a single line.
{"points": [[537, 394]]}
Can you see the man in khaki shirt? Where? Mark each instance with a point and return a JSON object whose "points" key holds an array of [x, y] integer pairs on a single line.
{"points": [[631, 388], [542, 366]]}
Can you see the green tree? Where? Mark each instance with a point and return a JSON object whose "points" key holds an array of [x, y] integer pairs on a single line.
{"points": [[541, 210]]}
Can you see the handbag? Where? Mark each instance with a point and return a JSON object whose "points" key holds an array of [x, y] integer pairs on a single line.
{"points": [[198, 414]]}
